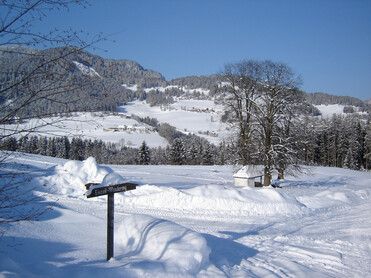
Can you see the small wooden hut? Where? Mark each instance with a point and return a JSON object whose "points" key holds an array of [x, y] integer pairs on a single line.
{"points": [[248, 176]]}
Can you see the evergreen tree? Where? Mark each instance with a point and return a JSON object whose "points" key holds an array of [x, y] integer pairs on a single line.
{"points": [[221, 154], [177, 152], [9, 144], [77, 151], [50, 148], [144, 154], [207, 155], [192, 155], [42, 146], [23, 144], [89, 148], [32, 145], [62, 147], [367, 146]]}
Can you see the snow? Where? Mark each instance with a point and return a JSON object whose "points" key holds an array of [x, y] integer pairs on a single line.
{"points": [[190, 221], [181, 116], [248, 171], [173, 248], [94, 126], [86, 70], [328, 110], [132, 87], [185, 89], [108, 127]]}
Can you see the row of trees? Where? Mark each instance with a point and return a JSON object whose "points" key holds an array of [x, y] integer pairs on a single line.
{"points": [[340, 141], [186, 150]]}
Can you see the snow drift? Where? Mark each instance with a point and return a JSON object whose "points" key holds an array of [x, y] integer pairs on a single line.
{"points": [[70, 179], [213, 199], [163, 245]]}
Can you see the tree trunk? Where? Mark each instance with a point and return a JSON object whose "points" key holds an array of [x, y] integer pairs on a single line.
{"points": [[267, 176], [281, 174]]}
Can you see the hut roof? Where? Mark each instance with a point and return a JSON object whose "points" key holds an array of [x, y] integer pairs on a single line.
{"points": [[248, 171]]}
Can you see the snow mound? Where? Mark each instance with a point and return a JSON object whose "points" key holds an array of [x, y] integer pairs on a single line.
{"points": [[109, 179], [161, 245], [325, 199], [213, 199], [70, 179]]}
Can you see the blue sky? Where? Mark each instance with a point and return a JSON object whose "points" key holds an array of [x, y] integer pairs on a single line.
{"points": [[326, 42]]}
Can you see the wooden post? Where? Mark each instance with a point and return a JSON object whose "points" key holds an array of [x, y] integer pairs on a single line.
{"points": [[110, 224], [110, 191]]}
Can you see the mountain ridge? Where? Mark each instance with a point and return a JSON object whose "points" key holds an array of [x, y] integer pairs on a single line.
{"points": [[113, 74]]}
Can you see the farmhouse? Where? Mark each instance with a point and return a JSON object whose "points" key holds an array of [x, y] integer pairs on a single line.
{"points": [[130, 128]]}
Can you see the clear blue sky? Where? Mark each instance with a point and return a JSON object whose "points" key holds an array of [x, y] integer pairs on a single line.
{"points": [[327, 42]]}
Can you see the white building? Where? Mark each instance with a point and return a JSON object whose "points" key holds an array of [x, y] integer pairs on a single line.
{"points": [[248, 176]]}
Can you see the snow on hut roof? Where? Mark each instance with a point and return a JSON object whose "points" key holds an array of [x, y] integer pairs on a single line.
{"points": [[248, 171]]}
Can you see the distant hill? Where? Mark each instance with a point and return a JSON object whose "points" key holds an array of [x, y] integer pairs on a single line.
{"points": [[86, 82], [103, 82]]}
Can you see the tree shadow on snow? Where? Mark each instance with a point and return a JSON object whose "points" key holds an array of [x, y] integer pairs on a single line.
{"points": [[227, 252], [326, 182], [30, 257], [25, 193]]}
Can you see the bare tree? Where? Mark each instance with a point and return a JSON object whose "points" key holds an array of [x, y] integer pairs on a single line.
{"points": [[238, 93], [259, 99], [274, 115], [38, 76]]}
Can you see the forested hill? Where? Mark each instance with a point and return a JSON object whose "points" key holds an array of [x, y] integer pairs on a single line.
{"points": [[82, 81], [91, 83]]}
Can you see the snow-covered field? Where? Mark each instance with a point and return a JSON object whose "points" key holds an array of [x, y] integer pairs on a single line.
{"points": [[328, 110], [193, 116], [190, 221], [94, 126]]}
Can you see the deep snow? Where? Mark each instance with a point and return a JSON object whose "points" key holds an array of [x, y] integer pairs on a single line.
{"points": [[190, 221]]}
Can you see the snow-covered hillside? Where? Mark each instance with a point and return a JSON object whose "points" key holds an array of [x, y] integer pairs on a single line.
{"points": [[185, 89], [190, 221], [200, 117], [328, 110], [108, 127]]}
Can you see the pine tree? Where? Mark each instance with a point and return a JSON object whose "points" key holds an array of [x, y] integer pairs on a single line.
{"points": [[144, 154], [77, 151], [177, 152], [42, 146], [207, 156], [62, 147], [355, 145], [9, 144], [50, 148], [32, 145], [367, 146], [192, 154]]}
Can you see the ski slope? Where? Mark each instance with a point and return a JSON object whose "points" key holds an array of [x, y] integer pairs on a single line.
{"points": [[190, 221]]}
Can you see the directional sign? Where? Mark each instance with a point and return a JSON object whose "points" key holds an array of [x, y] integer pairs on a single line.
{"points": [[111, 189]]}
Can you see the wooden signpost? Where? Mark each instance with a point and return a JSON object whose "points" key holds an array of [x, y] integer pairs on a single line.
{"points": [[110, 191]]}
